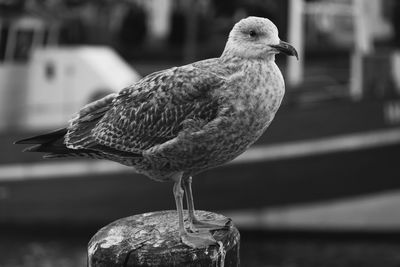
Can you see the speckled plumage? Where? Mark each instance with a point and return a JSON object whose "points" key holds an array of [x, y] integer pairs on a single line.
{"points": [[189, 118]]}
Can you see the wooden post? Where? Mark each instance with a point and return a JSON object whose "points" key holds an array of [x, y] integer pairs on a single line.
{"points": [[152, 239]]}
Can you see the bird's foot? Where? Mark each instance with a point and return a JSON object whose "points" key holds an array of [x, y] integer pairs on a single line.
{"points": [[201, 226], [198, 240]]}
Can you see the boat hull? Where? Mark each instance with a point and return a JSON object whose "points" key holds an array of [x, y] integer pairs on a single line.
{"points": [[266, 176]]}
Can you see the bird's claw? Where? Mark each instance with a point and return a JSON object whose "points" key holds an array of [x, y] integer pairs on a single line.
{"points": [[197, 225], [198, 240]]}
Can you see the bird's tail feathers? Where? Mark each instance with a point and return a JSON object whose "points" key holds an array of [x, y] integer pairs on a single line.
{"points": [[77, 136], [52, 142], [43, 138]]}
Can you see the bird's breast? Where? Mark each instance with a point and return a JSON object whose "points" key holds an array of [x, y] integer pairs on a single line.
{"points": [[248, 105], [257, 97]]}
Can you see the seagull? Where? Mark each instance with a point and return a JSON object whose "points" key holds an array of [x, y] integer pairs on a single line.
{"points": [[178, 122]]}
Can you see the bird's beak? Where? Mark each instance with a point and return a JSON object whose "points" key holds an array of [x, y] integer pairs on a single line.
{"points": [[286, 49]]}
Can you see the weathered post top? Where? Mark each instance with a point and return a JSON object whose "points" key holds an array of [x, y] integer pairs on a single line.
{"points": [[152, 239]]}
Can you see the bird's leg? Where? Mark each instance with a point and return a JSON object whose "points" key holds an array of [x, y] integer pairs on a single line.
{"points": [[196, 224], [178, 194], [198, 240], [187, 185]]}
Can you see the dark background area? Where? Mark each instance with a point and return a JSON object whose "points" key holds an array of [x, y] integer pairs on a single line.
{"points": [[48, 221]]}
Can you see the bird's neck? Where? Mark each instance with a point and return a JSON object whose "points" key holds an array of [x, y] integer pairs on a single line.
{"points": [[236, 63], [231, 54], [256, 85]]}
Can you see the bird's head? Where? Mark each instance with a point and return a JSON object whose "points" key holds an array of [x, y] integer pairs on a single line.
{"points": [[256, 37]]}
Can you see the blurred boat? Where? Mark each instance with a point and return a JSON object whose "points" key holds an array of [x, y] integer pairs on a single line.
{"points": [[322, 146], [324, 151]]}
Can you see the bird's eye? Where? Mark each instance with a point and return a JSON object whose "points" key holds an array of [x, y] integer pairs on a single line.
{"points": [[252, 33]]}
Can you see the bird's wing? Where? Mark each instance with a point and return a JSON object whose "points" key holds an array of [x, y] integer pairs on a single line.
{"points": [[158, 108], [79, 132]]}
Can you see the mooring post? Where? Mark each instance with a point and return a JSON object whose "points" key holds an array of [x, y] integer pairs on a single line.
{"points": [[152, 239]]}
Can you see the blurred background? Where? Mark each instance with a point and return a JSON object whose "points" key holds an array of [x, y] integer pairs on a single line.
{"points": [[320, 188]]}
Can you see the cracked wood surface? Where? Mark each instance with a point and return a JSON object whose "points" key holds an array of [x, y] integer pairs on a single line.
{"points": [[152, 239]]}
